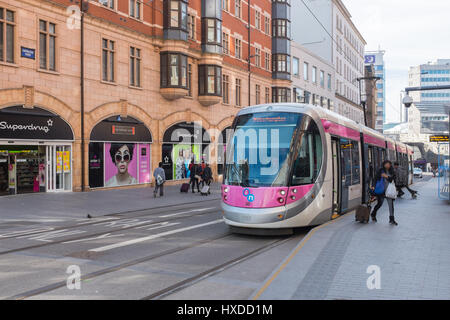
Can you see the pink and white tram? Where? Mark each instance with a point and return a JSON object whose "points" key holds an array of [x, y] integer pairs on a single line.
{"points": [[292, 165]]}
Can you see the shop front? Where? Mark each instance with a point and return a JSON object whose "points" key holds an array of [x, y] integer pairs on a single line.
{"points": [[119, 153], [182, 143], [35, 151]]}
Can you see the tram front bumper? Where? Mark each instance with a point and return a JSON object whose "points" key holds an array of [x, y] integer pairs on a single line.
{"points": [[238, 216]]}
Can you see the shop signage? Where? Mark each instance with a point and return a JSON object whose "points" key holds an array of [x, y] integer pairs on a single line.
{"points": [[34, 124], [59, 157], [66, 161], [27, 53], [124, 130], [439, 138]]}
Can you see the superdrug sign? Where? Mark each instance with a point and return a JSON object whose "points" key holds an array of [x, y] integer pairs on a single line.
{"points": [[32, 124]]}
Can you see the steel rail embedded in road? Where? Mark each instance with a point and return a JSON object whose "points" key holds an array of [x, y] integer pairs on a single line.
{"points": [[214, 270], [87, 236], [115, 268], [78, 225]]}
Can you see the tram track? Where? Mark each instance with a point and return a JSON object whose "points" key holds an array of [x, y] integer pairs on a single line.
{"points": [[82, 224], [96, 234], [172, 288], [213, 271]]}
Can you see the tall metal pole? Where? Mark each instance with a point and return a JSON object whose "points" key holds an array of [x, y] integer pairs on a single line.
{"points": [[249, 54], [83, 164]]}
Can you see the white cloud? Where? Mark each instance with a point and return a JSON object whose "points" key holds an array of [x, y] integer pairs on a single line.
{"points": [[412, 32]]}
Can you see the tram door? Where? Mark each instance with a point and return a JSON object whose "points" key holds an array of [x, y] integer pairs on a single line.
{"points": [[336, 176]]}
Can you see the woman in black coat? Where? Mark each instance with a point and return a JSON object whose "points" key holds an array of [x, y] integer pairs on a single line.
{"points": [[388, 174]]}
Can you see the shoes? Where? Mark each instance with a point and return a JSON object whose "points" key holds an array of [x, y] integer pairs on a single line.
{"points": [[392, 221], [374, 218], [154, 195]]}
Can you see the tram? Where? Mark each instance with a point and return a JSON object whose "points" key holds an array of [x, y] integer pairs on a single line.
{"points": [[292, 165]]}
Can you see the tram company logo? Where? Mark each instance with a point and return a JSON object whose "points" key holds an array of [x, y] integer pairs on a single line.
{"points": [[250, 196], [4, 125]]}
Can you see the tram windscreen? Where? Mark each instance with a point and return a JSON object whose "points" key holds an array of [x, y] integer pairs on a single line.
{"points": [[259, 149]]}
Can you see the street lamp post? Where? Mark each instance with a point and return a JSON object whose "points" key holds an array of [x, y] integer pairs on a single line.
{"points": [[361, 102]]}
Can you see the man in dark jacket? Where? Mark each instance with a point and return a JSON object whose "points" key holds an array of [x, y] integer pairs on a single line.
{"points": [[207, 176], [196, 171], [402, 181], [160, 178]]}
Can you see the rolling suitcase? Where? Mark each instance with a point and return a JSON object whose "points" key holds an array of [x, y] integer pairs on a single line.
{"points": [[362, 213], [204, 191], [184, 187]]}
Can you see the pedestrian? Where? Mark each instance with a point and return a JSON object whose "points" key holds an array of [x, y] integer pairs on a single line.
{"points": [[387, 175], [401, 181], [207, 176], [195, 175], [160, 178]]}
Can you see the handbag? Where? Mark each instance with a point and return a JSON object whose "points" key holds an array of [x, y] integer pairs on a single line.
{"points": [[379, 187], [391, 191]]}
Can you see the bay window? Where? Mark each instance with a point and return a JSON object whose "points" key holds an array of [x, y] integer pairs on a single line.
{"points": [[173, 70], [281, 28], [211, 31], [281, 63], [280, 94], [175, 14], [209, 80]]}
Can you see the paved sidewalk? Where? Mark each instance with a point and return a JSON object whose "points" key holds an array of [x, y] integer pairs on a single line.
{"points": [[74, 205], [332, 261]]}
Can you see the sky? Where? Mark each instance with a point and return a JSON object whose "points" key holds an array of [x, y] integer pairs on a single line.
{"points": [[412, 32]]}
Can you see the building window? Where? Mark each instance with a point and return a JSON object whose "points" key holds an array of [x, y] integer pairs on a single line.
{"points": [[281, 94], [329, 81], [267, 95], [258, 94], [305, 71], [280, 28], [238, 48], [191, 27], [322, 79], [108, 54], [226, 89], [135, 8], [175, 16], [135, 67], [47, 45], [173, 70], [258, 57], [189, 80], [298, 95], [267, 25], [237, 8], [209, 80], [108, 3], [212, 30], [267, 60], [295, 66], [7, 26], [238, 92], [258, 20], [314, 75], [225, 43], [281, 63], [226, 5]]}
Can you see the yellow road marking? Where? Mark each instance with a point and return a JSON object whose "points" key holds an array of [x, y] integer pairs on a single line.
{"points": [[291, 256]]}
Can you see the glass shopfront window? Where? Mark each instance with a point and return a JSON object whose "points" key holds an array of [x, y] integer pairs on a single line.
{"points": [[119, 153]]}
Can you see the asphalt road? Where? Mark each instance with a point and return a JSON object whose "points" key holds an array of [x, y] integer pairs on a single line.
{"points": [[176, 252]]}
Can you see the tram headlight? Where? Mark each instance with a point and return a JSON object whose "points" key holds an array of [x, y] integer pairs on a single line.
{"points": [[225, 198], [280, 200], [225, 190], [294, 190], [282, 192]]}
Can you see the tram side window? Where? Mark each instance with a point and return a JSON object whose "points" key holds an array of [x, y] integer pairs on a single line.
{"points": [[355, 163], [309, 159]]}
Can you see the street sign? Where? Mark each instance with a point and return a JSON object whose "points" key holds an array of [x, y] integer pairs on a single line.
{"points": [[439, 138]]}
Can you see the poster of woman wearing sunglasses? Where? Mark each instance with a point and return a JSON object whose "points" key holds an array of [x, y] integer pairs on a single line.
{"points": [[121, 167]]}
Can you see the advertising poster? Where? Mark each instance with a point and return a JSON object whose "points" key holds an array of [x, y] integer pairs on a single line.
{"points": [[145, 170], [120, 164], [59, 160], [182, 155], [66, 161], [96, 165], [12, 176]]}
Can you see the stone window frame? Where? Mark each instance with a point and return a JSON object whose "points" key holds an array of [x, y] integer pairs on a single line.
{"points": [[204, 78], [133, 56], [225, 89], [114, 63], [15, 45], [141, 9], [47, 35]]}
